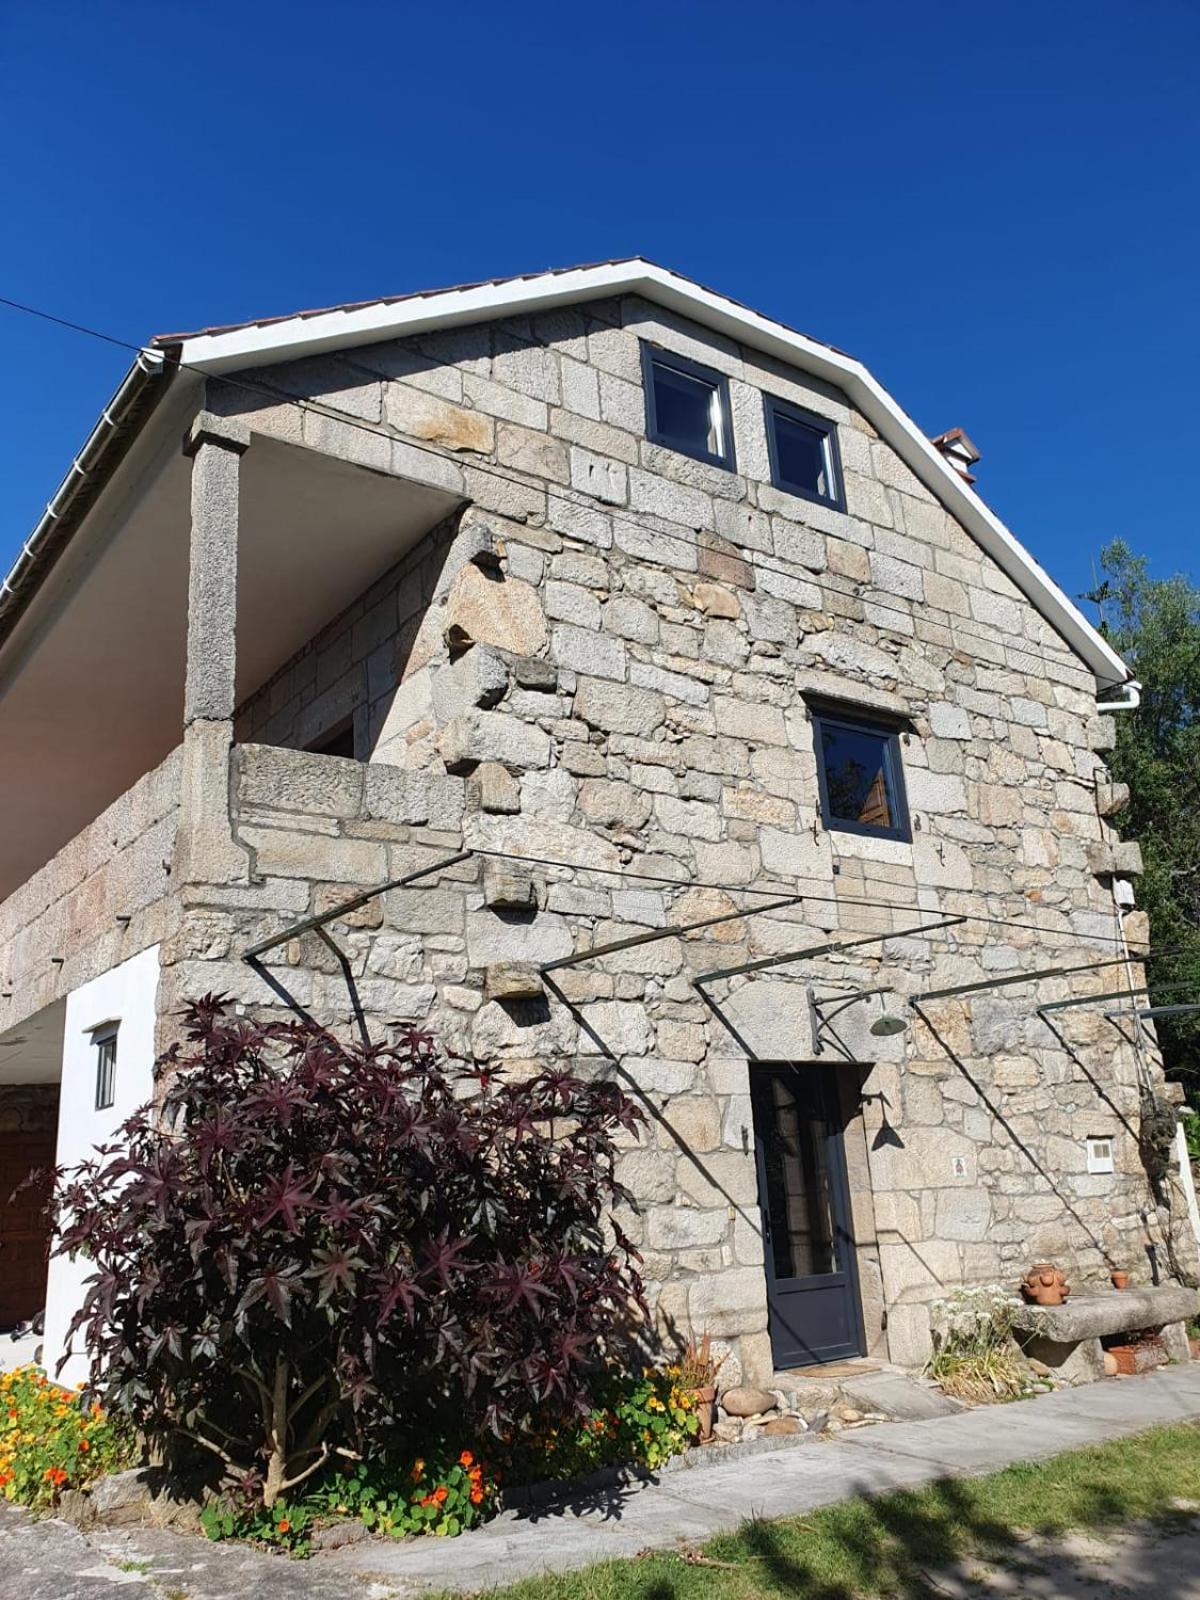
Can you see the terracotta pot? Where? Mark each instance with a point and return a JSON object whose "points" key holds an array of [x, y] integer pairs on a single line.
{"points": [[1134, 1358], [1045, 1284], [1120, 1279], [706, 1401]]}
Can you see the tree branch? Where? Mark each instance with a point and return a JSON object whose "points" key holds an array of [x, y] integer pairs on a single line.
{"points": [[290, 1483]]}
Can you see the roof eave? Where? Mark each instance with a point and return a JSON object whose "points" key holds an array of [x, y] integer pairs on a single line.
{"points": [[287, 339]]}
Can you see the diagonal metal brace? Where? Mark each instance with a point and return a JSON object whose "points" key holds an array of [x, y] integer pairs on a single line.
{"points": [[827, 948], [315, 923], [654, 934]]}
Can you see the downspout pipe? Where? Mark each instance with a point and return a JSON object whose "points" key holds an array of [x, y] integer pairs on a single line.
{"points": [[1130, 699]]}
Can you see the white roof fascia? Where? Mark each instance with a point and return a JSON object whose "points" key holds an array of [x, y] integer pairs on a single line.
{"points": [[293, 337]]}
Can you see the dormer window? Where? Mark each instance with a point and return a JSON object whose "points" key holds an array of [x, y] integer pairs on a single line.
{"points": [[804, 453], [687, 407]]}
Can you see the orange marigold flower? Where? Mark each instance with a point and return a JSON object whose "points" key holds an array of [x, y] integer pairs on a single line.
{"points": [[85, 1444], [428, 1500], [439, 1494], [56, 1476], [465, 1459], [418, 1467], [476, 1495], [284, 1525]]}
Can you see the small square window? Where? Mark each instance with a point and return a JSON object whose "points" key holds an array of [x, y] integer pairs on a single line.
{"points": [[687, 407], [105, 1043], [804, 453], [860, 776]]}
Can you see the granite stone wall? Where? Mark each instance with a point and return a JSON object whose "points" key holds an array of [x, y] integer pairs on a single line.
{"points": [[103, 897], [598, 677]]}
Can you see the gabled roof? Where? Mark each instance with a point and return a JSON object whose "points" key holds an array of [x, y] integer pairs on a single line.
{"points": [[272, 340]]}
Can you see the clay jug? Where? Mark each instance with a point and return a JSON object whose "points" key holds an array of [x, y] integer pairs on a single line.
{"points": [[1045, 1284]]}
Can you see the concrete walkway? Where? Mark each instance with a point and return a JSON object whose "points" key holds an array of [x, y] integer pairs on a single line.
{"points": [[49, 1561], [697, 1503]]}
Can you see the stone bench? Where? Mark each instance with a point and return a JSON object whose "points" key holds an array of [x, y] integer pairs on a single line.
{"points": [[1067, 1338]]}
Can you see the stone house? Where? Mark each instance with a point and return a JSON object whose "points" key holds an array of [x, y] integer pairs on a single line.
{"points": [[586, 667]]}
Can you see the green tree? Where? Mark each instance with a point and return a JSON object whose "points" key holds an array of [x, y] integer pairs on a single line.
{"points": [[1155, 624]]}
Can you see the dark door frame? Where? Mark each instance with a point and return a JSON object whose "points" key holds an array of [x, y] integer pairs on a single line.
{"points": [[830, 1104]]}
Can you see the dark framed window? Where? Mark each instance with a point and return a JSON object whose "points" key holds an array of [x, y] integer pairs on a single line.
{"points": [[104, 1042], [804, 453], [687, 407], [860, 775]]}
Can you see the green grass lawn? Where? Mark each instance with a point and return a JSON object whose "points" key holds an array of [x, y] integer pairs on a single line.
{"points": [[885, 1547]]}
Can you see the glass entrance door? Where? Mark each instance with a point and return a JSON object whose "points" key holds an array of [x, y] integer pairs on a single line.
{"points": [[812, 1283]]}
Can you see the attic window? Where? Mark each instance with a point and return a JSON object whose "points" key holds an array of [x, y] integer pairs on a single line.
{"points": [[687, 407], [860, 775], [804, 453]]}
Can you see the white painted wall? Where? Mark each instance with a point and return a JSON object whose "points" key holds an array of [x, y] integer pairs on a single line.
{"points": [[125, 995]]}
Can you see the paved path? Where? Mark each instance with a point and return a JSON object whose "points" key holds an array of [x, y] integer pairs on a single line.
{"points": [[48, 1561]]}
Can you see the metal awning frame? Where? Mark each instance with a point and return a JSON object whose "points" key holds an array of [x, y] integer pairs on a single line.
{"points": [[827, 948], [1111, 994], [653, 935], [982, 985], [1155, 1011]]}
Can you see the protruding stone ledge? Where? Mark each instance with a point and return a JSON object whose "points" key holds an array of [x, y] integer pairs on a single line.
{"points": [[1067, 1338], [1095, 1316]]}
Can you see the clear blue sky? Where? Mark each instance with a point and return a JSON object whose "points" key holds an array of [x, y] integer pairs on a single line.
{"points": [[994, 206]]}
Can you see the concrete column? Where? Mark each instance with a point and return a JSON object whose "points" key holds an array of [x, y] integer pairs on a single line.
{"points": [[205, 849], [216, 445]]}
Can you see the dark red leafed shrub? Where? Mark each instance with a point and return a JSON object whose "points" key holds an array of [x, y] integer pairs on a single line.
{"points": [[317, 1250]]}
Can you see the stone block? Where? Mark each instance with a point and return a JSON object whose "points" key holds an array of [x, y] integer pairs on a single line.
{"points": [[750, 720], [492, 736], [477, 678], [584, 650], [528, 450], [288, 853], [508, 887], [609, 804], [618, 708], [571, 602], [604, 480], [512, 980], [298, 780], [677, 1227], [504, 612], [622, 1025], [425, 416], [491, 787], [507, 936], [730, 1302], [427, 799], [1111, 797], [1101, 733]]}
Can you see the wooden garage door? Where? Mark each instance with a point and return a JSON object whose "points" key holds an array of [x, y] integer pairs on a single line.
{"points": [[24, 1233]]}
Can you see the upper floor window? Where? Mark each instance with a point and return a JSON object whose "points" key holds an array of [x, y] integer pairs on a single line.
{"points": [[687, 407], [860, 776], [104, 1042], [804, 453]]}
